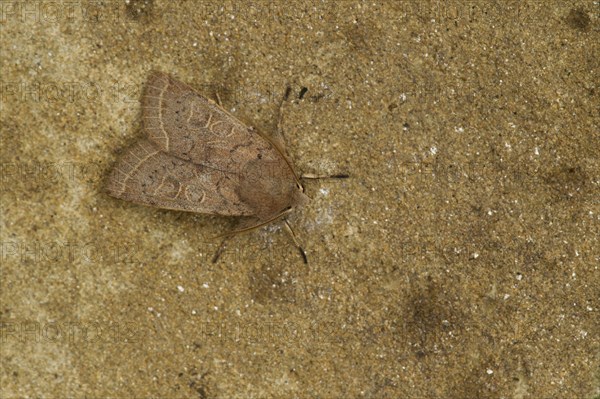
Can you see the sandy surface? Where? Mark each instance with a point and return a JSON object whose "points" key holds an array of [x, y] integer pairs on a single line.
{"points": [[460, 260]]}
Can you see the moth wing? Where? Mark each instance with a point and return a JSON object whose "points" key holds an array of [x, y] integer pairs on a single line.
{"points": [[181, 122], [148, 176]]}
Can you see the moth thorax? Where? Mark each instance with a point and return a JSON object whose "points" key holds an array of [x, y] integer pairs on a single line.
{"points": [[300, 199], [269, 187]]}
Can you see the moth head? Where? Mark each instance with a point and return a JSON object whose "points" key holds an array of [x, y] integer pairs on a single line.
{"points": [[299, 198]]}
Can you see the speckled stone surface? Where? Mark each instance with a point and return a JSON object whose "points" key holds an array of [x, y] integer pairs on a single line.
{"points": [[460, 260]]}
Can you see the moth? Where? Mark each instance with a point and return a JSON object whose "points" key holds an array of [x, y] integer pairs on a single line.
{"points": [[197, 157]]}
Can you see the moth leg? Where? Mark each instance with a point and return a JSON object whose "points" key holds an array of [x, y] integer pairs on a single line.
{"points": [[220, 250], [240, 226], [300, 249]]}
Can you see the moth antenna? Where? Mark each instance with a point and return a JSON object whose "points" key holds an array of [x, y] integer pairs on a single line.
{"points": [[280, 135], [336, 176], [288, 90], [293, 235], [218, 99], [303, 91], [256, 226], [280, 117]]}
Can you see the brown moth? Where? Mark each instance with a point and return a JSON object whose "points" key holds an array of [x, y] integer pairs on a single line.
{"points": [[197, 157]]}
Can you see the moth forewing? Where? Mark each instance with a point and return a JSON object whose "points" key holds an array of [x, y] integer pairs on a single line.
{"points": [[198, 157]]}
